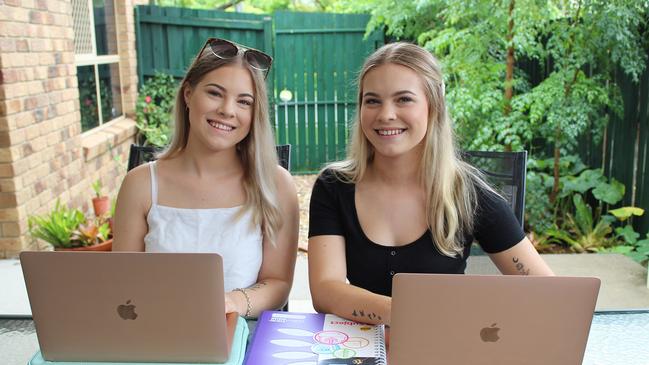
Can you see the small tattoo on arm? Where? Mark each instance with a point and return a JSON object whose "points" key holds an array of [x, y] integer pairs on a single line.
{"points": [[520, 267], [258, 285], [362, 313], [354, 313]]}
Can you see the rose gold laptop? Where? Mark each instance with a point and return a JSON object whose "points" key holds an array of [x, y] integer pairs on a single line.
{"points": [[128, 306], [504, 320]]}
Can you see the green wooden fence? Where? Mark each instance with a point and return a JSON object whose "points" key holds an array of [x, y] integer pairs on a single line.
{"points": [[625, 153], [169, 38], [316, 57]]}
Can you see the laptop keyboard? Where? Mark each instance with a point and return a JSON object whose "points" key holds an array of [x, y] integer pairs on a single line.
{"points": [[618, 338]]}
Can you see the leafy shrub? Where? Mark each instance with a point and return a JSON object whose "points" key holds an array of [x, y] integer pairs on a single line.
{"points": [[65, 227], [577, 219], [153, 109], [58, 226]]}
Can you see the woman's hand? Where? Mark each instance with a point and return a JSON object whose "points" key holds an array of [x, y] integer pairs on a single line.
{"points": [[235, 302], [230, 306]]}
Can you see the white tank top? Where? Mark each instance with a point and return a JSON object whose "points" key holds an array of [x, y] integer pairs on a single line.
{"points": [[238, 241]]}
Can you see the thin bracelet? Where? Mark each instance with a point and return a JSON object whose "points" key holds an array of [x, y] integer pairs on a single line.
{"points": [[245, 294]]}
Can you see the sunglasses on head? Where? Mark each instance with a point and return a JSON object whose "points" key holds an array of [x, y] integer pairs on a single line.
{"points": [[224, 49]]}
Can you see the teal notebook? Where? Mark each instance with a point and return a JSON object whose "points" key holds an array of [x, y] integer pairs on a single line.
{"points": [[236, 353]]}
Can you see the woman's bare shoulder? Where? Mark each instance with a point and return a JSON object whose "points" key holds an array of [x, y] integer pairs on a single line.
{"points": [[136, 186], [284, 182]]}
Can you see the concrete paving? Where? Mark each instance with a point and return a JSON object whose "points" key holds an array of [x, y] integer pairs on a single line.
{"points": [[624, 282]]}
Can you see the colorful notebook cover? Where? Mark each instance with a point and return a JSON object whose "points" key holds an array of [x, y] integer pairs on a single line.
{"points": [[287, 338], [236, 353]]}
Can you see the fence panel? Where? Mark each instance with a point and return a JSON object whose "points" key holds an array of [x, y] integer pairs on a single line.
{"points": [[320, 56], [627, 146], [168, 38]]}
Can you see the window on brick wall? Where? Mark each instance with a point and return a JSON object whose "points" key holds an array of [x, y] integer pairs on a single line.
{"points": [[97, 61]]}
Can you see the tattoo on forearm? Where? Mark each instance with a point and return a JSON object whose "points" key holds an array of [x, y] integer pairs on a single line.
{"points": [[361, 313], [520, 267], [258, 285]]}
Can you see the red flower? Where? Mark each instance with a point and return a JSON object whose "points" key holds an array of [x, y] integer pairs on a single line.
{"points": [[87, 102], [147, 99]]}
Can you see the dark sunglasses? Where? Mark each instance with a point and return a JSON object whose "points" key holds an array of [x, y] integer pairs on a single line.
{"points": [[224, 49]]}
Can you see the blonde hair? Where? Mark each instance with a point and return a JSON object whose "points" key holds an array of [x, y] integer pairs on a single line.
{"points": [[449, 182], [256, 151]]}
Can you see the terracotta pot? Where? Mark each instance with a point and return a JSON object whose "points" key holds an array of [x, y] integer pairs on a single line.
{"points": [[101, 205], [104, 246]]}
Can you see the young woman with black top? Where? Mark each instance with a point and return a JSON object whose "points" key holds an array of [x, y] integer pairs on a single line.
{"points": [[403, 200]]}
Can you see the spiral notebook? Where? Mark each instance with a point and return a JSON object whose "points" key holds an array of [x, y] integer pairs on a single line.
{"points": [[286, 338]]}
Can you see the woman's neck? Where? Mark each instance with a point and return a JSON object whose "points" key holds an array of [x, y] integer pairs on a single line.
{"points": [[401, 171], [204, 162]]}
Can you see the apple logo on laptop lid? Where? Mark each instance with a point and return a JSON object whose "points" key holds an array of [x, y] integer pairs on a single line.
{"points": [[127, 311], [490, 334]]}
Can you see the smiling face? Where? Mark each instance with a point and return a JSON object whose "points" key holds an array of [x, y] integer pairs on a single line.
{"points": [[221, 107], [394, 110]]}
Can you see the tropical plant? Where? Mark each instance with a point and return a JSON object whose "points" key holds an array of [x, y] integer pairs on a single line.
{"points": [[639, 250], [586, 230], [153, 110], [65, 227], [576, 217], [92, 233], [58, 226]]}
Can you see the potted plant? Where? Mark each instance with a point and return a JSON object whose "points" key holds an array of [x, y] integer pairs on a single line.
{"points": [[68, 229], [100, 203]]}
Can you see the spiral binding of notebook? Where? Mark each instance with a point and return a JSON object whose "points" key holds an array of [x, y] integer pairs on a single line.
{"points": [[380, 352]]}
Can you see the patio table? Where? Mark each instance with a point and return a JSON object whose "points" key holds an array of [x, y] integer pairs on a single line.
{"points": [[616, 337]]}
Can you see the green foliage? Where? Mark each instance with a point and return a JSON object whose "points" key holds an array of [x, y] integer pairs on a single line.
{"points": [[91, 233], [58, 226], [585, 230], [96, 187], [65, 227], [153, 109], [572, 220], [625, 212], [639, 250], [580, 42]]}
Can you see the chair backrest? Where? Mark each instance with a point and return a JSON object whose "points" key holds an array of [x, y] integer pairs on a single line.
{"points": [[141, 154], [505, 171]]}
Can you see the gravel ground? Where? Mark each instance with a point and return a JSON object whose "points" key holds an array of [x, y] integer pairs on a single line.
{"points": [[304, 183]]}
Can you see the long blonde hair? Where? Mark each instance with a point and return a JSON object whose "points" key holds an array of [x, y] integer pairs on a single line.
{"points": [[256, 151], [449, 182]]}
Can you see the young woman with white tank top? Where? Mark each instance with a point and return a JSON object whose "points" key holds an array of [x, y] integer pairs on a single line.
{"points": [[218, 187]]}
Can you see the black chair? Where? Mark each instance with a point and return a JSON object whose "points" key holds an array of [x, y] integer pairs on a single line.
{"points": [[141, 154], [505, 171]]}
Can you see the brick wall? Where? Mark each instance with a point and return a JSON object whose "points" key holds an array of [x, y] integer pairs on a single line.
{"points": [[43, 154]]}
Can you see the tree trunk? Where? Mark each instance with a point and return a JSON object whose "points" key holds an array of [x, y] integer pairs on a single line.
{"points": [[509, 73], [557, 156], [557, 132]]}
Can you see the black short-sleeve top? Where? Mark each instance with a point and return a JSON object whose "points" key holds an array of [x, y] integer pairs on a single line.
{"points": [[371, 266]]}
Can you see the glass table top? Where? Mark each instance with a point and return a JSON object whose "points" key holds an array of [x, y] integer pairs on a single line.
{"points": [[616, 337]]}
